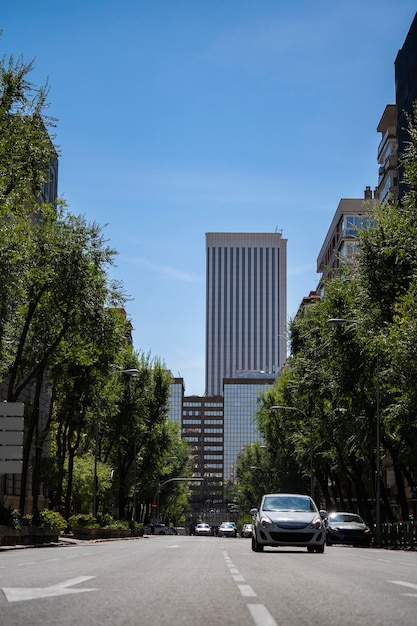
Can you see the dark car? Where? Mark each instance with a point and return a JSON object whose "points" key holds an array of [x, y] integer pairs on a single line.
{"points": [[156, 529], [347, 528]]}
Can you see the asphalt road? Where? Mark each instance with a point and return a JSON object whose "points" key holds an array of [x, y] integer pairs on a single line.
{"points": [[205, 581]]}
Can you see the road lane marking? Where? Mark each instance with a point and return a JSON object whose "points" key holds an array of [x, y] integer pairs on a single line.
{"points": [[403, 583], [261, 616], [19, 594], [238, 578], [247, 591], [259, 613]]}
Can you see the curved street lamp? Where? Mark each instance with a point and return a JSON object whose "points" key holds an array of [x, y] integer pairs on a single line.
{"points": [[308, 419], [171, 480]]}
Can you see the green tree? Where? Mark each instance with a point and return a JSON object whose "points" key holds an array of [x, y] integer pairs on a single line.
{"points": [[54, 264], [138, 432], [26, 149]]}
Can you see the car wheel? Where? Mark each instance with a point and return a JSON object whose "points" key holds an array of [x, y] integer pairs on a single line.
{"points": [[310, 549], [256, 547], [320, 549]]}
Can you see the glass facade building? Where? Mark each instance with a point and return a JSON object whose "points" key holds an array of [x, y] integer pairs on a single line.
{"points": [[241, 399], [175, 401]]}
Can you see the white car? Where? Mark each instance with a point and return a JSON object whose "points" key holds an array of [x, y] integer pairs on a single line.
{"points": [[202, 529], [285, 519], [227, 529]]}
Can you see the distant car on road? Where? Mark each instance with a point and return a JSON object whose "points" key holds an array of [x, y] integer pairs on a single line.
{"points": [[285, 519], [156, 529], [247, 530], [227, 529], [347, 528], [202, 529], [180, 530]]}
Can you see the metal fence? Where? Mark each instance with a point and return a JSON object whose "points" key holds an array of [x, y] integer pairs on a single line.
{"points": [[399, 536]]}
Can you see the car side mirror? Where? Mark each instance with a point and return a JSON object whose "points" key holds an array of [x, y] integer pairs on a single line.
{"points": [[324, 514], [253, 512]]}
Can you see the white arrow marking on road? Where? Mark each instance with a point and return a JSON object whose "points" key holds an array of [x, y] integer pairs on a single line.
{"points": [[18, 594]]}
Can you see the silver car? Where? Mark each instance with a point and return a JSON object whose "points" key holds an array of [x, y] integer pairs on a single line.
{"points": [[285, 519], [247, 530], [227, 529]]}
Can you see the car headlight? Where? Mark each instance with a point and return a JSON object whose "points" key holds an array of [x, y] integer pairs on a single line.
{"points": [[367, 530], [334, 529], [266, 522], [316, 523]]}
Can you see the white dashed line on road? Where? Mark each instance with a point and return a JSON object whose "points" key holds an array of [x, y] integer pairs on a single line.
{"points": [[247, 591], [261, 616], [259, 613]]}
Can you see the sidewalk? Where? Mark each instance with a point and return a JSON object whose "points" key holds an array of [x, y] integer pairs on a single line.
{"points": [[64, 541]]}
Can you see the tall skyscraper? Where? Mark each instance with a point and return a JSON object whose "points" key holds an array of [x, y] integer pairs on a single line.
{"points": [[246, 306]]}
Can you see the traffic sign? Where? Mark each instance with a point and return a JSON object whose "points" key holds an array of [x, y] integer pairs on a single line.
{"points": [[12, 409], [10, 453], [11, 423], [11, 437], [11, 467]]}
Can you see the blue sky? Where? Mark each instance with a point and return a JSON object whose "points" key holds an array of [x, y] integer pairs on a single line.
{"points": [[181, 117]]}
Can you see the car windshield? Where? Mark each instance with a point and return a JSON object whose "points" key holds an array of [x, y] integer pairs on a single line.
{"points": [[288, 503], [347, 517]]}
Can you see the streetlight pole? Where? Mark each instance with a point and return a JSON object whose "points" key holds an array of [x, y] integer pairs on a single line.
{"points": [[134, 481], [378, 457], [132, 372], [334, 322], [171, 480], [257, 468], [294, 408]]}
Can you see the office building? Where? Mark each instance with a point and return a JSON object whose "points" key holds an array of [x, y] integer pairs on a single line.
{"points": [[241, 400], [217, 429], [388, 155], [340, 244], [202, 426], [245, 305], [405, 90]]}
